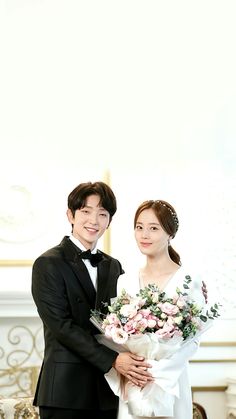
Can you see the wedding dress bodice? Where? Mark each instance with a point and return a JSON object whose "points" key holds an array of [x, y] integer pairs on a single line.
{"points": [[131, 283]]}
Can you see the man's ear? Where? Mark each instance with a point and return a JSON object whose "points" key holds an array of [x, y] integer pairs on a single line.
{"points": [[109, 222], [70, 216]]}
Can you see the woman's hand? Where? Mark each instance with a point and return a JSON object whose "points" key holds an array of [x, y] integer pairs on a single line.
{"points": [[133, 367]]}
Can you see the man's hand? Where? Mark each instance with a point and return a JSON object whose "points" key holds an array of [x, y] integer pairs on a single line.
{"points": [[133, 367], [204, 290]]}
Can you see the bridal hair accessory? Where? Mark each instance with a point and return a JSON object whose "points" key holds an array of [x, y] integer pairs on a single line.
{"points": [[173, 213]]}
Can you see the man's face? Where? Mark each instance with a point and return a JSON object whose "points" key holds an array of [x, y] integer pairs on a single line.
{"points": [[89, 222]]}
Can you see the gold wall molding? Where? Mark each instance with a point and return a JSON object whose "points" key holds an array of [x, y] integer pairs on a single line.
{"points": [[208, 388], [21, 337], [19, 376], [20, 382], [107, 241], [16, 262], [217, 344], [210, 361]]}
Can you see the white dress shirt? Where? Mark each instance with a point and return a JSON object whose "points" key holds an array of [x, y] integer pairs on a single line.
{"points": [[91, 269]]}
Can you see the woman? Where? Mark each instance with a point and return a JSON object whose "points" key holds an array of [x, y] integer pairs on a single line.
{"points": [[156, 223]]}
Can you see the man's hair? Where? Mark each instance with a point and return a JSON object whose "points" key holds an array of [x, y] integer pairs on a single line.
{"points": [[77, 198]]}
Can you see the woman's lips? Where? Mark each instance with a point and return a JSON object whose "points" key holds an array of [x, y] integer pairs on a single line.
{"points": [[143, 244]]}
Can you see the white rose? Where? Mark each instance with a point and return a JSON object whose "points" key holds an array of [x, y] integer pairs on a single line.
{"points": [[178, 319], [128, 310]]}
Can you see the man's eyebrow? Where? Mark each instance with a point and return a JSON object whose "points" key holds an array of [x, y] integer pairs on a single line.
{"points": [[89, 206]]}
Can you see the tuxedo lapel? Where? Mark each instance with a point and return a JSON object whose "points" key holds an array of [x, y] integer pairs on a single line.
{"points": [[84, 279], [103, 281], [79, 269], [108, 273]]}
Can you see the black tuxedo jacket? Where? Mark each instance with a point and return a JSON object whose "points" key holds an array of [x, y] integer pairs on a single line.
{"points": [[72, 374]]}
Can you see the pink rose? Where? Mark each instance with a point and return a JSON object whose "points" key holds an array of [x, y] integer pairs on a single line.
{"points": [[151, 323], [160, 323], [119, 335], [178, 332], [138, 301], [169, 308], [142, 324], [145, 312], [181, 303], [166, 332], [108, 330], [138, 317], [130, 327]]}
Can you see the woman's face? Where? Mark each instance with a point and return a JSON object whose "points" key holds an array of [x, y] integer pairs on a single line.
{"points": [[151, 238]]}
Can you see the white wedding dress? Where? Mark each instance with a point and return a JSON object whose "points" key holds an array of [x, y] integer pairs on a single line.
{"points": [[175, 367]]}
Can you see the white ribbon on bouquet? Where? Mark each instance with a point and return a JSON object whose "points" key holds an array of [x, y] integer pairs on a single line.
{"points": [[168, 358]]}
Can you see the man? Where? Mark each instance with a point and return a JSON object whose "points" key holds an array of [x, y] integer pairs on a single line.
{"points": [[67, 282]]}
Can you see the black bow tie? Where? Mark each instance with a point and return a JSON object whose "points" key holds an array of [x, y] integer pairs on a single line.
{"points": [[94, 258]]}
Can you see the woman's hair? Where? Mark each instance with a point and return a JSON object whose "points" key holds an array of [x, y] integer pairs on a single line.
{"points": [[77, 198], [168, 219]]}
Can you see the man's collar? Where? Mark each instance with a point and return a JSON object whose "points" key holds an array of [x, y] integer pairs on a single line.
{"points": [[80, 245]]}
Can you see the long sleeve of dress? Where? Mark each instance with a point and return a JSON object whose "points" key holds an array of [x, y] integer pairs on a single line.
{"points": [[168, 370]]}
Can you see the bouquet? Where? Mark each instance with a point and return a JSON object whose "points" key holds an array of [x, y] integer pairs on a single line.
{"points": [[156, 327]]}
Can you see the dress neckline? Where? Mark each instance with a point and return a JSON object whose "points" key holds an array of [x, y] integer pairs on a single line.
{"points": [[141, 283]]}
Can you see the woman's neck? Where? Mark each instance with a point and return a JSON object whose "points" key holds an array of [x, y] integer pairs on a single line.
{"points": [[160, 263], [158, 270]]}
